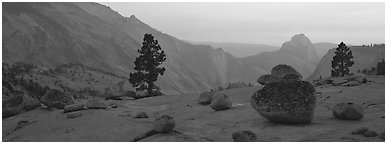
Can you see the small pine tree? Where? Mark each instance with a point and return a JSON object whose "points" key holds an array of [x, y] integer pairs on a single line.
{"points": [[147, 66], [341, 61]]}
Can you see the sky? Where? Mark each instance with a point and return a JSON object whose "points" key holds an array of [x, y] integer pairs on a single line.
{"points": [[262, 23]]}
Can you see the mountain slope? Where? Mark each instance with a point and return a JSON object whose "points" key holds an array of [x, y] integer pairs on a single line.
{"points": [[363, 58], [96, 36], [298, 53], [323, 47], [240, 49]]}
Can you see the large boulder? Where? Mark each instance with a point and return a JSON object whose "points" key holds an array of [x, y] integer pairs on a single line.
{"points": [[264, 79], [290, 102], [164, 124], [281, 70], [220, 102], [56, 98], [348, 111], [205, 98]]}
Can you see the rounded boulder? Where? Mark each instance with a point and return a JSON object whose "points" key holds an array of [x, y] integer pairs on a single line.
{"points": [[164, 124], [348, 111], [281, 70], [290, 102], [220, 102]]}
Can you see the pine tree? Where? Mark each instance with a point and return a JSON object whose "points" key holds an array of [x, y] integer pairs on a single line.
{"points": [[147, 66], [341, 61]]}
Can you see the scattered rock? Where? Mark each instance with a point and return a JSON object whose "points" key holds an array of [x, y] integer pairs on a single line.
{"points": [[73, 107], [290, 102], [264, 79], [205, 98], [12, 106], [221, 102], [164, 124], [281, 70], [96, 104], [370, 133], [244, 136], [382, 135], [361, 130], [141, 115], [74, 114], [348, 111], [114, 106]]}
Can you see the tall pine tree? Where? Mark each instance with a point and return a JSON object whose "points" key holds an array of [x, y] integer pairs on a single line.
{"points": [[341, 61], [147, 66]]}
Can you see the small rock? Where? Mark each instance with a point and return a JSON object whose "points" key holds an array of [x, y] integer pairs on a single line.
{"points": [[348, 111], [370, 133], [205, 98], [351, 83], [141, 115], [114, 106], [164, 124], [361, 130], [74, 114], [73, 107], [96, 104], [221, 102], [244, 136]]}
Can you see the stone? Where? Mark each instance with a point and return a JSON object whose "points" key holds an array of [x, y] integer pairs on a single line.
{"points": [[113, 97], [244, 136], [361, 130], [205, 98], [141, 115], [348, 111], [281, 70], [12, 105], [56, 98], [96, 104], [164, 124], [74, 114], [264, 79], [73, 107], [291, 102], [220, 102], [370, 133]]}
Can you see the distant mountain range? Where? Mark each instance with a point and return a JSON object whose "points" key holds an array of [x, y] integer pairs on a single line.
{"points": [[94, 35], [299, 53]]}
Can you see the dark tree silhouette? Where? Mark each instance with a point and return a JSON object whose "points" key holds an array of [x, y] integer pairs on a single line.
{"points": [[341, 61], [147, 66], [380, 68]]}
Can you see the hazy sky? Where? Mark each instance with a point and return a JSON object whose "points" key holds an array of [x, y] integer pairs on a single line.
{"points": [[267, 23]]}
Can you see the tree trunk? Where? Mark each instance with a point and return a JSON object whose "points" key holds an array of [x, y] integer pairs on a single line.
{"points": [[150, 89]]}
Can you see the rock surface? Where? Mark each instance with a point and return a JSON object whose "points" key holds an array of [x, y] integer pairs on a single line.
{"points": [[286, 102], [141, 115], [74, 107], [348, 111], [220, 102], [74, 114]]}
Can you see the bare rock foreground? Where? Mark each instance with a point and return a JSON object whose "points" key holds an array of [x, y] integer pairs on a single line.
{"points": [[195, 122]]}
